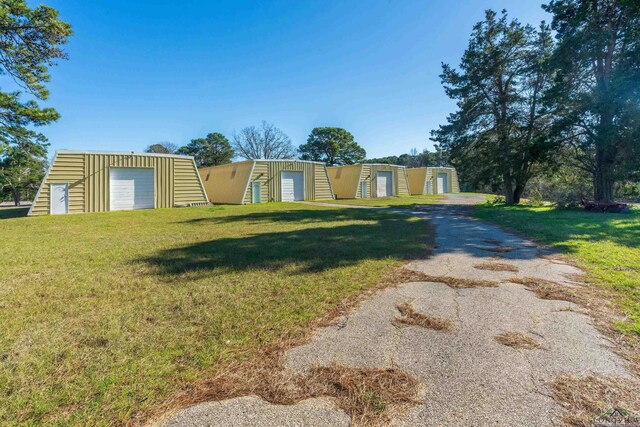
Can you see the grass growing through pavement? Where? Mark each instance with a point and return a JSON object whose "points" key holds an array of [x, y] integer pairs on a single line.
{"points": [[391, 201], [106, 315], [606, 246]]}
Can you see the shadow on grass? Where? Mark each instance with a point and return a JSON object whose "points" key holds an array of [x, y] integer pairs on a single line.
{"points": [[558, 226], [303, 216], [308, 250], [7, 213]]}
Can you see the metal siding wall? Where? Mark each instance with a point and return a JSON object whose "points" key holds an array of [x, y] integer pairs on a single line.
{"points": [[69, 169], [344, 180], [226, 183], [452, 179], [374, 177], [274, 184], [322, 186], [366, 175], [417, 180], [402, 185], [88, 179], [455, 184], [260, 174], [187, 188]]}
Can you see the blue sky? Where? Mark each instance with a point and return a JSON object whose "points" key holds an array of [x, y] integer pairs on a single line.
{"points": [[141, 72]]}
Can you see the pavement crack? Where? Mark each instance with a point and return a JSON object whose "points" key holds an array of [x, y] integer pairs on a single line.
{"points": [[456, 295], [395, 345]]}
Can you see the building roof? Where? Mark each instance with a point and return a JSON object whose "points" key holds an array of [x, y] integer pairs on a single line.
{"points": [[263, 160], [368, 164], [122, 153]]}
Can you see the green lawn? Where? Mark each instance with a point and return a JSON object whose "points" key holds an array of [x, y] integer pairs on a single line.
{"points": [[606, 246], [106, 315], [390, 202]]}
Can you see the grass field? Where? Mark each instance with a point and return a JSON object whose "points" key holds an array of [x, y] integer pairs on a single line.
{"points": [[606, 246], [390, 202], [106, 315]]}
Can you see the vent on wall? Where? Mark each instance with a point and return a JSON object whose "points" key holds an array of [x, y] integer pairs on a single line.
{"points": [[189, 204]]}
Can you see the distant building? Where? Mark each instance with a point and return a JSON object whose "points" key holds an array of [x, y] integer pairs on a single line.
{"points": [[368, 180], [87, 181]]}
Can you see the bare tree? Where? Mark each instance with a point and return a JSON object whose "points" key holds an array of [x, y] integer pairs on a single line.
{"points": [[266, 142]]}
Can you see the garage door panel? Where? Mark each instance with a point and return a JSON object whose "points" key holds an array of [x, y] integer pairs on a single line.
{"points": [[385, 184], [131, 188], [292, 186], [443, 186]]}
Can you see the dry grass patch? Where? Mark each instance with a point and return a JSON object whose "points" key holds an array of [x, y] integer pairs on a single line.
{"points": [[499, 249], [411, 317], [404, 275], [496, 266], [368, 396], [546, 289], [517, 340], [586, 398], [492, 241], [456, 282]]}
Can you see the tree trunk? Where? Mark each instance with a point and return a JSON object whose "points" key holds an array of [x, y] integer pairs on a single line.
{"points": [[603, 177], [16, 197], [517, 193], [508, 190]]}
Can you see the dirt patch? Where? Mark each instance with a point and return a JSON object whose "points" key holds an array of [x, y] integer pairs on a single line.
{"points": [[411, 317], [496, 266], [586, 398], [517, 340]]}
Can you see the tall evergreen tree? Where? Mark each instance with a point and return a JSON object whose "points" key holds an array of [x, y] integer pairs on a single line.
{"points": [[334, 146], [499, 133], [22, 166], [31, 41], [596, 93], [213, 150]]}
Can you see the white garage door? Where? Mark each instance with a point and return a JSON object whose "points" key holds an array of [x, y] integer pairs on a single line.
{"points": [[443, 186], [292, 186], [385, 184], [131, 188]]}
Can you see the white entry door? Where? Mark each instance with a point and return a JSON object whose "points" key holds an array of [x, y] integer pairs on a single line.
{"points": [[385, 184], [59, 198], [292, 186], [256, 192], [442, 183], [131, 188]]}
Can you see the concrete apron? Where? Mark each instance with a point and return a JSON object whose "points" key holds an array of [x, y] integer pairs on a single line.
{"points": [[470, 378]]}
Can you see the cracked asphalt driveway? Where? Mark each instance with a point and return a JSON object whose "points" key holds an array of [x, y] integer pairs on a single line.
{"points": [[468, 376]]}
